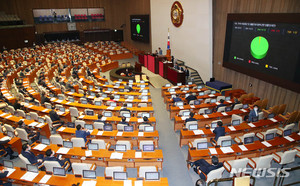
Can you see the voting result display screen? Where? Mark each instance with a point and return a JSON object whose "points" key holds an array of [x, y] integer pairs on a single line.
{"points": [[140, 28]]}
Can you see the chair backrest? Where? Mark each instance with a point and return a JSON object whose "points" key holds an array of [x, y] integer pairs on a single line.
{"points": [[145, 142], [121, 126], [22, 134], [48, 120], [11, 109], [34, 115], [260, 115], [190, 123], [50, 164], [264, 162], [80, 122], [281, 109], [78, 142], [264, 104], [56, 139], [221, 109], [207, 100], [74, 111], [236, 117], [101, 143], [142, 170], [202, 110], [270, 131], [79, 167], [25, 160], [220, 97], [293, 117], [289, 126], [21, 113], [142, 105], [198, 140], [239, 164], [182, 111], [215, 174], [238, 106], [288, 156], [207, 92], [98, 125], [142, 126], [123, 142], [9, 128], [125, 112], [223, 138], [109, 171]]}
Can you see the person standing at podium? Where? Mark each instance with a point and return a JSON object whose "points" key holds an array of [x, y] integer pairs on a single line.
{"points": [[176, 66], [160, 52], [187, 73]]}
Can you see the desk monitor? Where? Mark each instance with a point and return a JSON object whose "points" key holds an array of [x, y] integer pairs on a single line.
{"points": [[248, 140], [151, 176], [143, 86], [106, 83], [88, 126], [213, 100], [120, 147], [60, 97], [91, 87], [128, 128], [213, 92], [148, 147], [208, 111], [173, 96], [48, 106], [8, 164], [110, 89], [98, 103], [142, 81], [186, 95], [130, 81], [93, 146], [104, 95], [228, 98], [71, 100], [287, 132], [107, 114], [36, 103], [130, 97], [90, 112], [10, 134], [186, 89], [51, 95], [235, 122], [148, 129], [199, 87], [179, 104], [84, 101], [144, 98], [145, 114], [201, 93], [270, 136], [58, 171], [168, 85], [271, 115], [179, 84], [107, 128], [193, 127], [129, 105], [214, 125], [32, 168], [89, 174], [97, 87], [144, 91], [202, 145], [68, 144], [120, 175], [255, 119], [62, 109], [126, 115], [117, 84], [245, 106], [113, 104], [92, 94], [186, 113], [72, 90], [117, 96], [28, 117], [190, 83], [228, 109], [226, 143], [45, 141], [120, 80]]}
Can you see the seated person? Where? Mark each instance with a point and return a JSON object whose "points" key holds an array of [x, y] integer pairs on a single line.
{"points": [[190, 97], [128, 87], [124, 108], [124, 121], [3, 174], [32, 158], [219, 131], [220, 105], [17, 105], [191, 118], [55, 117], [203, 167], [111, 98], [29, 131], [177, 99], [44, 98], [253, 113], [100, 119], [82, 133], [146, 121], [98, 98], [7, 149], [50, 157]]}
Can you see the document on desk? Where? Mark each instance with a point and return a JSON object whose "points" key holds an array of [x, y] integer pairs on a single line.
{"points": [[229, 101], [1, 115], [68, 103], [40, 147], [110, 108], [52, 99], [138, 183], [232, 128], [251, 125], [61, 129], [40, 125], [212, 151], [138, 154], [127, 182], [127, 119], [33, 124], [120, 134], [224, 113], [141, 134], [29, 176], [116, 155], [198, 132], [218, 103], [100, 133], [45, 110], [45, 179], [81, 116], [243, 147], [89, 183], [243, 110], [274, 120], [103, 118], [140, 120], [226, 150], [59, 101], [267, 144], [88, 153], [181, 107], [184, 118], [212, 130], [211, 95], [289, 138], [192, 106], [10, 171], [5, 138], [62, 150], [205, 116], [8, 116]]}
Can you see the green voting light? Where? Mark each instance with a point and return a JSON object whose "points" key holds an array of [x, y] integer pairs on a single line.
{"points": [[138, 28], [259, 47]]}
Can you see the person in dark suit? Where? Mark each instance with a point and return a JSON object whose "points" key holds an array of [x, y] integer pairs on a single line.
{"points": [[7, 149], [81, 133], [203, 167], [124, 108], [32, 158], [53, 115], [176, 66], [17, 105], [177, 99], [146, 120], [128, 87], [3, 174], [190, 97], [100, 119], [30, 132], [191, 118], [220, 105], [181, 68], [253, 113], [44, 98], [123, 121], [187, 73], [219, 131], [50, 157]]}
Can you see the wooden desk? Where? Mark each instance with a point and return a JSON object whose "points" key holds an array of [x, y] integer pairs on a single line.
{"points": [[255, 149], [175, 76], [233, 131], [102, 157], [70, 179], [113, 136], [15, 143]]}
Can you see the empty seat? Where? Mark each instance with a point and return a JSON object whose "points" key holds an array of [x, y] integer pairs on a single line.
{"points": [[109, 171], [237, 106], [123, 142], [79, 167], [236, 166], [220, 139], [145, 142], [281, 130], [101, 143], [260, 162], [98, 125], [262, 135], [56, 139], [286, 157], [142, 170], [78, 142], [196, 141], [240, 139]]}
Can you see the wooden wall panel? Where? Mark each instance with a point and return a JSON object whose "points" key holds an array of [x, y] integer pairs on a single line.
{"points": [[262, 89]]}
